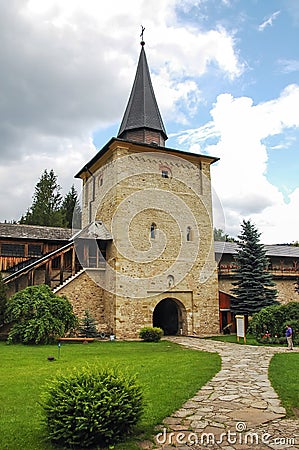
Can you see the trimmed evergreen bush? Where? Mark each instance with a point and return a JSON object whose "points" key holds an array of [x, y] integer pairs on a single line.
{"points": [[151, 334], [91, 406]]}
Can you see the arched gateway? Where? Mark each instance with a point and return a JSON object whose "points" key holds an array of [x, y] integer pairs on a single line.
{"points": [[170, 315]]}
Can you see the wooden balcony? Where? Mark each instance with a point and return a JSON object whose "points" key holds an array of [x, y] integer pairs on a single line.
{"points": [[229, 271]]}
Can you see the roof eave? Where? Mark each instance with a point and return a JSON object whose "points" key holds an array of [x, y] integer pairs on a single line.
{"points": [[106, 147]]}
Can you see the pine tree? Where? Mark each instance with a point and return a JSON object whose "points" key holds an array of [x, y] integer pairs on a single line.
{"points": [[219, 235], [87, 326], [3, 299], [46, 205], [71, 209], [254, 286]]}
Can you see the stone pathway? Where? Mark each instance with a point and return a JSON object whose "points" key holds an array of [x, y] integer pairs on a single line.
{"points": [[237, 409]]}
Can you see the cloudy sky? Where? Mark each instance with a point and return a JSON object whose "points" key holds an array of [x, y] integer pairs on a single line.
{"points": [[225, 74]]}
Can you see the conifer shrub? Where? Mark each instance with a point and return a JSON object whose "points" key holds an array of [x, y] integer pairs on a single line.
{"points": [[151, 334], [88, 326], [91, 407]]}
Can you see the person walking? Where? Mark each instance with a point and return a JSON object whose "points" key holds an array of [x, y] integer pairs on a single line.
{"points": [[289, 336]]}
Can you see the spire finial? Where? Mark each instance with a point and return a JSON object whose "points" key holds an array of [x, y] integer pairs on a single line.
{"points": [[141, 35]]}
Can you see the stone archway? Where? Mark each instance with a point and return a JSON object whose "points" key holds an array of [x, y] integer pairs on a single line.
{"points": [[169, 314]]}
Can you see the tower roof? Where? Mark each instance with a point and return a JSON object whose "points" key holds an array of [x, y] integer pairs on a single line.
{"points": [[142, 112]]}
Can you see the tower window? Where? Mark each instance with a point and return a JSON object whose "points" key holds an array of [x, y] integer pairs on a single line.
{"points": [[189, 234], [170, 280], [153, 230], [165, 174]]}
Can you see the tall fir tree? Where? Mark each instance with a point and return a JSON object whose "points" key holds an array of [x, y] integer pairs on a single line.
{"points": [[71, 209], [3, 299], [46, 205], [254, 286]]}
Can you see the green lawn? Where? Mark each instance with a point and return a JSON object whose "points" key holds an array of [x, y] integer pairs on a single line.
{"points": [[170, 374], [250, 340], [283, 374]]}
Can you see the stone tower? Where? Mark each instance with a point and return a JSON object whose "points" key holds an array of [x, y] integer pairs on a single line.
{"points": [[147, 216]]}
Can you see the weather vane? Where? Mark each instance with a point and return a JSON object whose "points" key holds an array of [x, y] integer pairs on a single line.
{"points": [[142, 31]]}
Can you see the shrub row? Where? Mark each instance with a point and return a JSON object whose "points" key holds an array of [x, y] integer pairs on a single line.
{"points": [[268, 325]]}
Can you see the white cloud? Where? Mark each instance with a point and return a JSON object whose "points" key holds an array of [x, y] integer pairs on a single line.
{"points": [[240, 178], [67, 68], [269, 21], [289, 65]]}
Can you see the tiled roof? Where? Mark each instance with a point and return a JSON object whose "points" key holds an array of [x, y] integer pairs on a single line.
{"points": [[271, 250], [98, 229], [142, 109], [16, 231]]}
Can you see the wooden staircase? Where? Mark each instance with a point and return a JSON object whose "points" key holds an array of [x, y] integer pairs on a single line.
{"points": [[52, 269]]}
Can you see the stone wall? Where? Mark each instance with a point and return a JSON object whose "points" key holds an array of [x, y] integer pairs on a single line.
{"points": [[85, 294], [131, 189], [285, 289]]}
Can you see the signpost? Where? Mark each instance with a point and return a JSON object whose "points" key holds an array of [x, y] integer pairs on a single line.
{"points": [[240, 322]]}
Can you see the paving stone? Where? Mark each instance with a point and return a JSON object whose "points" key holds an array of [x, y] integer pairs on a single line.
{"points": [[182, 413], [239, 396], [191, 404], [228, 398], [259, 405]]}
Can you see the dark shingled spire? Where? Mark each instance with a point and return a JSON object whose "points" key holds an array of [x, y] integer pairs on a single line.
{"points": [[142, 120]]}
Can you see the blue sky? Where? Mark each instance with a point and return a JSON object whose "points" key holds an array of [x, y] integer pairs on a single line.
{"points": [[226, 78]]}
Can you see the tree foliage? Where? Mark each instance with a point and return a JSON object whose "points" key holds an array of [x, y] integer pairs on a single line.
{"points": [[38, 316], [254, 286], [71, 209], [46, 204], [49, 208], [219, 235], [3, 299], [272, 321]]}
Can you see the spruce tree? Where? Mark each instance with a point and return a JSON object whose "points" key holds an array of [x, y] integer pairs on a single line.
{"points": [[254, 286], [87, 326], [71, 209], [46, 205]]}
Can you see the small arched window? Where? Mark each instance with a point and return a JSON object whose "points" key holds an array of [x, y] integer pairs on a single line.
{"points": [[170, 280], [153, 230], [189, 234]]}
